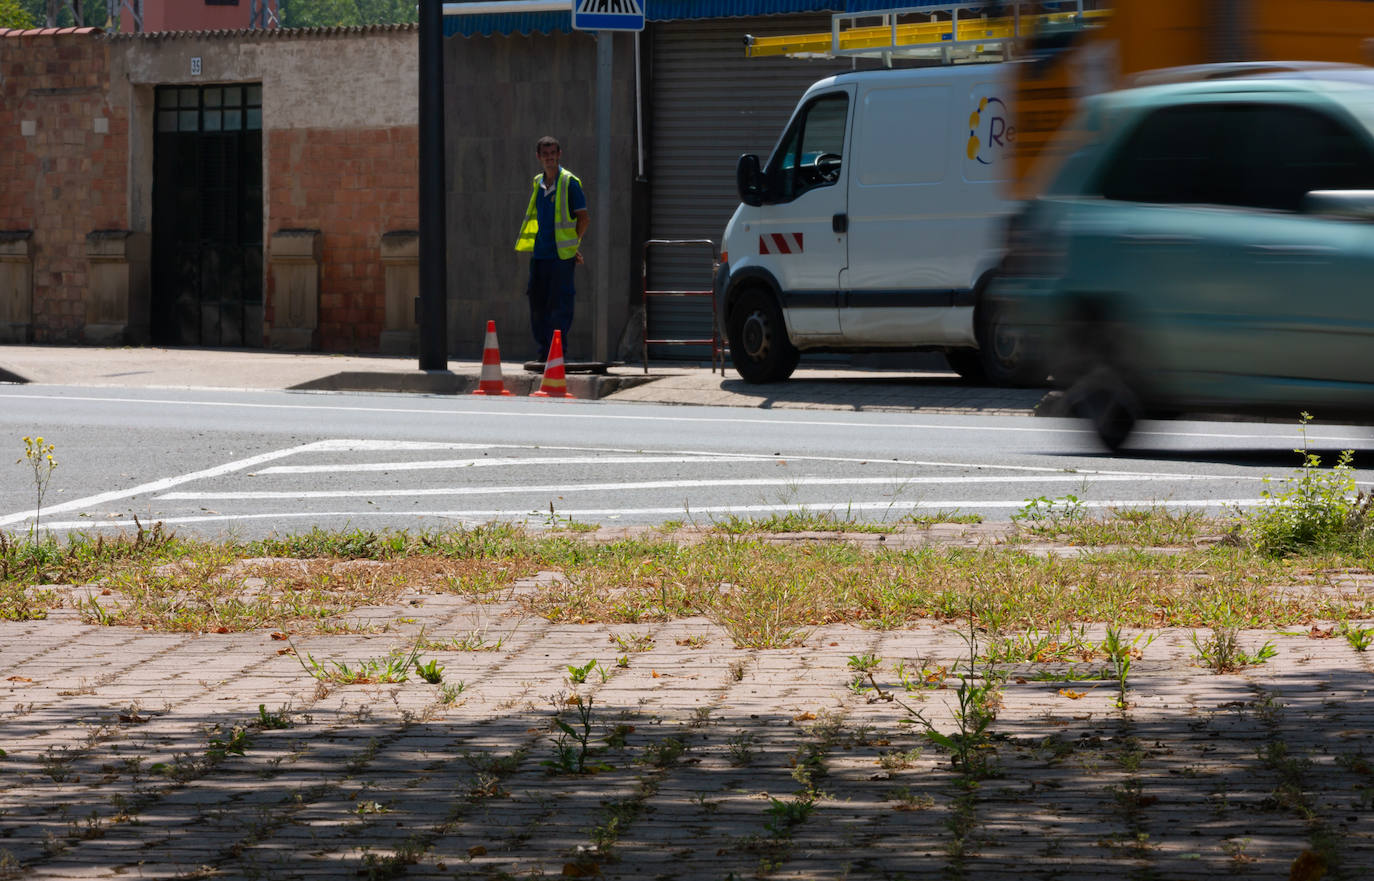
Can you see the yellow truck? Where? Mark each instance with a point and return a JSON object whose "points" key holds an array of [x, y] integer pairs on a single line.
{"points": [[1112, 43]]}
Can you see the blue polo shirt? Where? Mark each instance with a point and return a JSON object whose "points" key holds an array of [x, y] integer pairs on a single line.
{"points": [[545, 247]]}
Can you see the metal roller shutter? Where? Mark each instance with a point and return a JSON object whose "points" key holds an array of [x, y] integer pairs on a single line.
{"points": [[710, 103]]}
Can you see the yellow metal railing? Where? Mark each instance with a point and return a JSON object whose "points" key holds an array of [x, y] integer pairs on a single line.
{"points": [[957, 28]]}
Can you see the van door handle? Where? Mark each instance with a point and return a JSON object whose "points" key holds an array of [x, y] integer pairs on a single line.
{"points": [[840, 223]]}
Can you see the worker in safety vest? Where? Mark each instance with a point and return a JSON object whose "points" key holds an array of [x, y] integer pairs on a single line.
{"points": [[554, 223]]}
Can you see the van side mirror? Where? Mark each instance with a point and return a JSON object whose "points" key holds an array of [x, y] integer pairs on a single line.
{"points": [[749, 180], [1345, 204]]}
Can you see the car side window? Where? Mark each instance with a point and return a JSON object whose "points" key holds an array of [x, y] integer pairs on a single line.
{"points": [[1246, 155], [812, 151], [1174, 156], [1295, 150]]}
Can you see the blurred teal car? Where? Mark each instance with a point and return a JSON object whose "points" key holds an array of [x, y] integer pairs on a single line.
{"points": [[1208, 246]]}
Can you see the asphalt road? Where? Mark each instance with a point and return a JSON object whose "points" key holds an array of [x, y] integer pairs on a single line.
{"points": [[252, 463]]}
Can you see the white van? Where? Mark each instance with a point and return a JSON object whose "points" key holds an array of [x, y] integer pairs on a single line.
{"points": [[876, 225]]}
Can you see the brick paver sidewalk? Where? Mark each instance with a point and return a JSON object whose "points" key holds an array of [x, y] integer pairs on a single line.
{"points": [[710, 761]]}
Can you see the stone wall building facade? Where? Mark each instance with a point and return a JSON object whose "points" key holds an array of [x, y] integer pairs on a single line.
{"points": [[259, 188]]}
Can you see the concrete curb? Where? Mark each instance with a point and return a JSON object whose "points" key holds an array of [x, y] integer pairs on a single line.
{"points": [[585, 387]]}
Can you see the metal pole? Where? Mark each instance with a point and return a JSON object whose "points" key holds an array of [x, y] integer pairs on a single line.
{"points": [[433, 311], [605, 55]]}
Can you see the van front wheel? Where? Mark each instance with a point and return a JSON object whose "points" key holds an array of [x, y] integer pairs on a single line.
{"points": [[1006, 353], [759, 346]]}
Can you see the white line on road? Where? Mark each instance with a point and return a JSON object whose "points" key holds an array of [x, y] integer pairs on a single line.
{"points": [[377, 446], [563, 411], [437, 464], [483, 516], [157, 485], [792, 482]]}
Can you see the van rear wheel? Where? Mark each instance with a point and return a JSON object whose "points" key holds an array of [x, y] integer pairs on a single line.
{"points": [[759, 347]]}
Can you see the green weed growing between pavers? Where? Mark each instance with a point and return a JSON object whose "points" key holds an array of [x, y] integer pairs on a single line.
{"points": [[1316, 508], [763, 594]]}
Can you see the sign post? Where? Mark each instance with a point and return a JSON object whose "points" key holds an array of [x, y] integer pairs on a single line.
{"points": [[605, 17]]}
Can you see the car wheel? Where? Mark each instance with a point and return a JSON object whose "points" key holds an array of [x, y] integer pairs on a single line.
{"points": [[759, 346], [1005, 353], [966, 363], [1103, 398]]}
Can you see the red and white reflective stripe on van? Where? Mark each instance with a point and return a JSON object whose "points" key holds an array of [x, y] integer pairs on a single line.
{"points": [[781, 243]]}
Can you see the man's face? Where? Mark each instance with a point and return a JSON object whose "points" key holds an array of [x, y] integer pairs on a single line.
{"points": [[548, 157]]}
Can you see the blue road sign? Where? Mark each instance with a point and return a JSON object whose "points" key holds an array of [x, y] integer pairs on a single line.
{"points": [[607, 15]]}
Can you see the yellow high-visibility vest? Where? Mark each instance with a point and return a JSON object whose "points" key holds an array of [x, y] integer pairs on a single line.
{"points": [[564, 227]]}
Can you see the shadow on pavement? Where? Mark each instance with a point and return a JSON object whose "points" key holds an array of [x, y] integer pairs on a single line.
{"points": [[693, 773]]}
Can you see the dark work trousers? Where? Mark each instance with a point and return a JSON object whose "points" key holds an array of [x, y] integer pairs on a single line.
{"points": [[551, 301]]}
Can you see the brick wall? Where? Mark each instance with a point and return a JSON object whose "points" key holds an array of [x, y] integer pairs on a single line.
{"points": [[65, 179], [352, 185]]}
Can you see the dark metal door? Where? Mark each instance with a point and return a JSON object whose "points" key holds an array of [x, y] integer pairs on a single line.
{"points": [[207, 216]]}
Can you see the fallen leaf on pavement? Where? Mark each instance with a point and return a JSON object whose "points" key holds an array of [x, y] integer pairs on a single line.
{"points": [[477, 850], [1071, 694], [1309, 866], [19, 679]]}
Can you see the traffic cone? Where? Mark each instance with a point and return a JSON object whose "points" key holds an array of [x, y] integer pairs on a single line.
{"points": [[554, 384], [491, 382]]}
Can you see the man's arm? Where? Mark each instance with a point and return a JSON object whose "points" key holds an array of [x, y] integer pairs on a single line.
{"points": [[584, 220]]}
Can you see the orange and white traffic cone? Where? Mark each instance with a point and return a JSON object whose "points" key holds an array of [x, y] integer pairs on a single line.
{"points": [[554, 384], [491, 382]]}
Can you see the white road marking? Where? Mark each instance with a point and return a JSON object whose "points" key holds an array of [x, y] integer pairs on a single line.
{"points": [[794, 482], [157, 485], [377, 446], [564, 411], [439, 464], [483, 516]]}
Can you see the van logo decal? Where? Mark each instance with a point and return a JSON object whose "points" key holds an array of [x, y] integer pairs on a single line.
{"points": [[989, 132], [781, 243]]}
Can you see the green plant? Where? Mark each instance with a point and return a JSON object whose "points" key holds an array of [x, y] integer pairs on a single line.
{"points": [[899, 760], [1222, 652], [741, 749], [979, 696], [223, 744], [476, 640], [431, 672], [663, 753], [38, 456], [578, 675], [633, 642], [448, 694], [927, 676], [783, 816], [1316, 508], [268, 720], [1120, 653], [572, 746], [804, 520], [906, 800], [863, 666], [1360, 638], [1043, 512]]}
